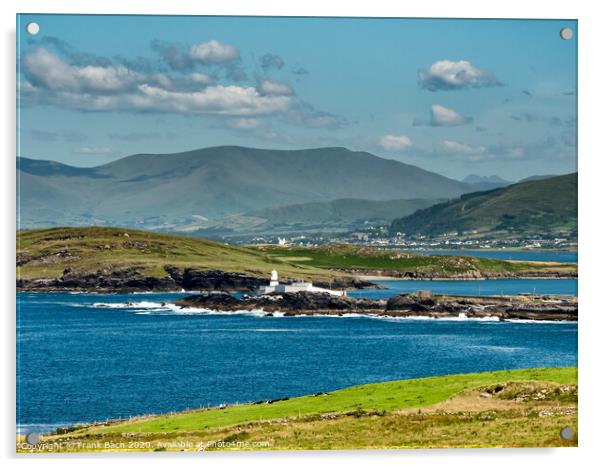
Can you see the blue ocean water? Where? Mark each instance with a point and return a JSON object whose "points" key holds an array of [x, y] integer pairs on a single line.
{"points": [[89, 357], [516, 255], [489, 287]]}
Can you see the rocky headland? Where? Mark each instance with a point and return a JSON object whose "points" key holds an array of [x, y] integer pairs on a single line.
{"points": [[549, 308]]}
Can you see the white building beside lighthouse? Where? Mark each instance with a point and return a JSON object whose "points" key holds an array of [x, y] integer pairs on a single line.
{"points": [[276, 287]]}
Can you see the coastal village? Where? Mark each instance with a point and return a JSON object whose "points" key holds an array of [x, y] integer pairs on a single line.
{"points": [[377, 237]]}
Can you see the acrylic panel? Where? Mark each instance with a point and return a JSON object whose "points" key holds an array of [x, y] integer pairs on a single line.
{"points": [[282, 233]]}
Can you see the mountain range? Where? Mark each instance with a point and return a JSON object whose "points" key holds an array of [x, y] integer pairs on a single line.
{"points": [[543, 206], [167, 191]]}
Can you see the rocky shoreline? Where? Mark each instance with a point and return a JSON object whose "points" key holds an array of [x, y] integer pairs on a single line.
{"points": [[548, 308], [133, 279]]}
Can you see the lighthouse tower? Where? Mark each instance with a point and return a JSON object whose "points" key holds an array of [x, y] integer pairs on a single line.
{"points": [[274, 278]]}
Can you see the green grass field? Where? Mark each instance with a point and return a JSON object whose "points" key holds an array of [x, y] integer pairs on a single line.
{"points": [[522, 408], [352, 257]]}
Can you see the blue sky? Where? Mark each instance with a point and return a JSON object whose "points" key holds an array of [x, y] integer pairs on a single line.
{"points": [[452, 96]]}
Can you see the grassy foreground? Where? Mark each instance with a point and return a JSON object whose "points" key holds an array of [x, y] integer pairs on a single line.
{"points": [[46, 253], [510, 408]]}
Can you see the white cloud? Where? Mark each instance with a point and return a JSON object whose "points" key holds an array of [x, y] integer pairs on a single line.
{"points": [[273, 88], [213, 52], [200, 78], [515, 152], [442, 116], [454, 146], [163, 80], [244, 123], [96, 88], [395, 143], [219, 100], [449, 75], [48, 79], [45, 69], [214, 100], [469, 152]]}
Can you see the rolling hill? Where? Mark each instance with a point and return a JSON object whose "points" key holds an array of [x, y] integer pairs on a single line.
{"points": [[545, 206], [167, 190], [327, 216], [342, 211]]}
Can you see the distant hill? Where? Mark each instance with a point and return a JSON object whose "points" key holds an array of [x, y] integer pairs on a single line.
{"points": [[536, 177], [481, 183], [327, 216], [343, 211], [547, 207], [168, 190]]}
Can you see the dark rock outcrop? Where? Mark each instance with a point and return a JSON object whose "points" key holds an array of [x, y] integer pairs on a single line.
{"points": [[347, 283], [291, 303], [511, 307], [193, 279], [134, 279], [404, 305], [127, 279]]}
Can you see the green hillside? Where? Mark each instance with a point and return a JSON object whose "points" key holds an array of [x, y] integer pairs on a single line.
{"points": [[489, 409], [545, 207], [46, 253]]}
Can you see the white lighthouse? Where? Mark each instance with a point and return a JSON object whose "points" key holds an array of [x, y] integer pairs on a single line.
{"points": [[274, 278], [276, 287]]}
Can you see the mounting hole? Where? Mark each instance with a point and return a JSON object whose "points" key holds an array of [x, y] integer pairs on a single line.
{"points": [[566, 34], [32, 438], [32, 28], [566, 433]]}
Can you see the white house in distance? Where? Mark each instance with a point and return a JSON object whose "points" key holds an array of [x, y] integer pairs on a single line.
{"points": [[277, 287]]}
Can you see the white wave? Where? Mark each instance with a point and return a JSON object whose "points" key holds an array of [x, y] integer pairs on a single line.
{"points": [[138, 305], [460, 317], [169, 308], [154, 292], [206, 311], [539, 321], [497, 348]]}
